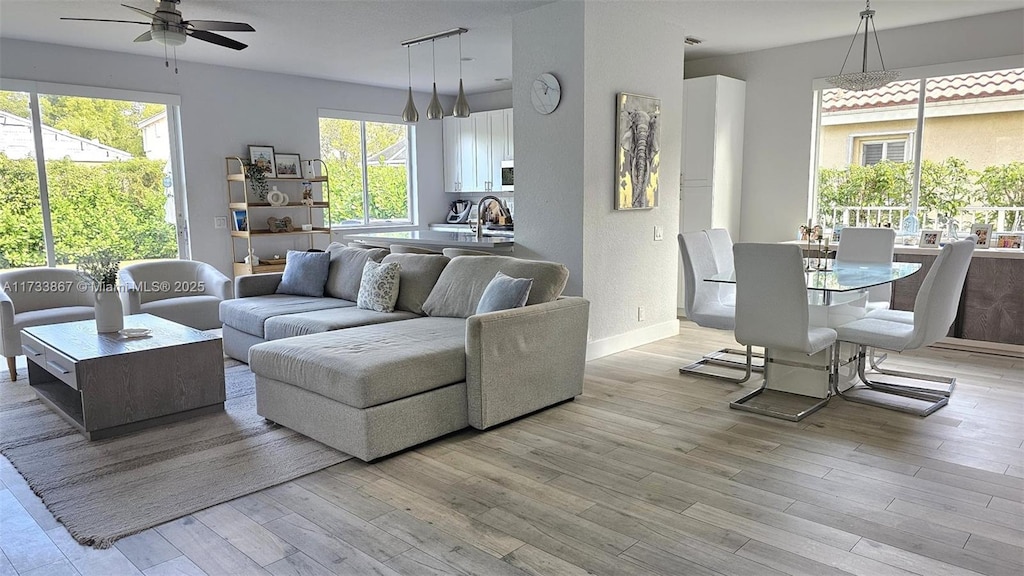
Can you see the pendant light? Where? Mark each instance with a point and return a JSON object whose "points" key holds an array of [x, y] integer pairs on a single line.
{"points": [[461, 109], [434, 110], [410, 114], [864, 80]]}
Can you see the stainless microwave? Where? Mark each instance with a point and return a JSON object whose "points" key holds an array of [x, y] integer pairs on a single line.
{"points": [[507, 176]]}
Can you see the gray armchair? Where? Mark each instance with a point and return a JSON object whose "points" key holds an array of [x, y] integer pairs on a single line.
{"points": [[182, 291], [36, 296]]}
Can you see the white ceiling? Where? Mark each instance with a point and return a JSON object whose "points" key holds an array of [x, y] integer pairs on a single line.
{"points": [[359, 40]]}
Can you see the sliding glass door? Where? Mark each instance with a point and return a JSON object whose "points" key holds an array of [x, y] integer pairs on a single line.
{"points": [[107, 180]]}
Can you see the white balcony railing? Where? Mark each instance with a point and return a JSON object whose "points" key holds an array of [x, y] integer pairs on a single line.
{"points": [[1002, 218]]}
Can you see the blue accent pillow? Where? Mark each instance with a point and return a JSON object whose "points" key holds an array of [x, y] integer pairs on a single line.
{"points": [[305, 273], [503, 293]]}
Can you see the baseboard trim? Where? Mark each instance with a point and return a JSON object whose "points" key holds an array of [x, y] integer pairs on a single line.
{"points": [[619, 342]]}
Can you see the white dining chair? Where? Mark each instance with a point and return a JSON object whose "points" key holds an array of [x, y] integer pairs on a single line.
{"points": [[871, 246], [772, 311], [934, 311], [703, 305], [721, 247]]}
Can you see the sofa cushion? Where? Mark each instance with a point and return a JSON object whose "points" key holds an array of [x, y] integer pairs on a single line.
{"points": [[305, 273], [319, 321], [378, 290], [249, 314], [419, 274], [199, 312], [504, 292], [346, 269], [369, 365], [462, 283]]}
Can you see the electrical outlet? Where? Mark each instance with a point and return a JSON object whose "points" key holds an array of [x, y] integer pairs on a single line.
{"points": [[220, 222], [640, 314], [659, 233]]}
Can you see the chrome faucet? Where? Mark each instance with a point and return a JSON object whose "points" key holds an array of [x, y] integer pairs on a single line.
{"points": [[480, 213]]}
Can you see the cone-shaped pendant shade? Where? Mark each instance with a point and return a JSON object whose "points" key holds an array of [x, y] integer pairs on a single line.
{"points": [[434, 110], [410, 114], [461, 109]]}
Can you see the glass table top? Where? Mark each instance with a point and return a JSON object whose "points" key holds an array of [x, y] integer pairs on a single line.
{"points": [[845, 276]]}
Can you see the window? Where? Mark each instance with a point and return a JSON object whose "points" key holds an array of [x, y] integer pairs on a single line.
{"points": [[965, 140], [370, 165], [874, 152], [105, 179]]}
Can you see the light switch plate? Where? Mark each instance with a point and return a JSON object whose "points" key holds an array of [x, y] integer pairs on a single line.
{"points": [[659, 233], [220, 222]]}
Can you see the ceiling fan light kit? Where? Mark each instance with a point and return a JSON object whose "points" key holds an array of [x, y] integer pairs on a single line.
{"points": [[434, 109], [864, 80]]}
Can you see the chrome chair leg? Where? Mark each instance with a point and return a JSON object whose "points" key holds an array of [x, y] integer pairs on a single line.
{"points": [[715, 360], [876, 360], [741, 403], [937, 398]]}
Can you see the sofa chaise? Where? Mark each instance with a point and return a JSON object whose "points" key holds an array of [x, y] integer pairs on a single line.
{"points": [[373, 383]]}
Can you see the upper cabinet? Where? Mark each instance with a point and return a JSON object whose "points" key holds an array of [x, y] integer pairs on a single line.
{"points": [[474, 148]]}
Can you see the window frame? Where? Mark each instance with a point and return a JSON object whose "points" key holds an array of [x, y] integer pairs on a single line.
{"points": [[410, 166], [922, 74]]}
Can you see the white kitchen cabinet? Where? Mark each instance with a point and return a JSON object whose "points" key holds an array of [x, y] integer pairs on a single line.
{"points": [[473, 150], [712, 160]]}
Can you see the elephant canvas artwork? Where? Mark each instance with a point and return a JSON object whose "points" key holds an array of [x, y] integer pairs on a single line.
{"points": [[637, 154]]}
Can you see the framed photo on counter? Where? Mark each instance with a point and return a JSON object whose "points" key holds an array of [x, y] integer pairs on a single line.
{"points": [[930, 238], [1011, 240], [984, 234]]}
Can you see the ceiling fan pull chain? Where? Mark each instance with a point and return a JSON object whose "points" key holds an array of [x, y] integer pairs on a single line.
{"points": [[166, 63], [175, 52]]}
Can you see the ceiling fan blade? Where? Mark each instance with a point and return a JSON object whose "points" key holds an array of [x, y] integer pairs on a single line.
{"points": [[143, 12], [216, 39], [145, 36], [105, 20], [219, 25]]}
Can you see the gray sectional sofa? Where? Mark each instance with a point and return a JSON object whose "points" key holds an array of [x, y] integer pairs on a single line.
{"points": [[372, 383]]}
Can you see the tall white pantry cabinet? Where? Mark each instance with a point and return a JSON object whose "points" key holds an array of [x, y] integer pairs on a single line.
{"points": [[712, 177]]}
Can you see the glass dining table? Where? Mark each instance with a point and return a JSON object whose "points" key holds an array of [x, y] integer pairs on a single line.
{"points": [[836, 295], [841, 277]]}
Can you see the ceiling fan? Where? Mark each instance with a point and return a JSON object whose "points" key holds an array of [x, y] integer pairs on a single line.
{"points": [[167, 27]]}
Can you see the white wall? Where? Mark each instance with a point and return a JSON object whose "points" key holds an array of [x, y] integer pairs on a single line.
{"points": [[565, 161], [624, 267], [549, 149], [777, 137], [222, 111]]}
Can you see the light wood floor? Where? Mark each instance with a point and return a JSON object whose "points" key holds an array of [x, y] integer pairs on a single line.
{"points": [[648, 472]]}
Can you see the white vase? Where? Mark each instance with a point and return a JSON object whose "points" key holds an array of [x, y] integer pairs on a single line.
{"points": [[109, 315]]}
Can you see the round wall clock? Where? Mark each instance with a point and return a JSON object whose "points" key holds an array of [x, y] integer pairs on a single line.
{"points": [[546, 93]]}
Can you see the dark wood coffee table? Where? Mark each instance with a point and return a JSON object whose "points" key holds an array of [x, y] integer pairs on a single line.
{"points": [[106, 384]]}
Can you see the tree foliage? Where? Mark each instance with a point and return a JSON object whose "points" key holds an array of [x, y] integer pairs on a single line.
{"points": [[114, 205], [342, 151], [947, 187]]}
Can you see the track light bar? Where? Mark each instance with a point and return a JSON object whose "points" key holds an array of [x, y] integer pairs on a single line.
{"points": [[438, 36]]}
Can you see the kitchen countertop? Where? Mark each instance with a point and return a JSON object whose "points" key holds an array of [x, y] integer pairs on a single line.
{"points": [[900, 248], [432, 238]]}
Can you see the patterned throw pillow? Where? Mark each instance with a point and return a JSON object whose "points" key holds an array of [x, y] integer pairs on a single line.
{"points": [[378, 289]]}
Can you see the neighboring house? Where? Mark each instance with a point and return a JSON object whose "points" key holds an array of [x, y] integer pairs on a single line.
{"points": [[155, 136], [16, 142], [156, 145], [976, 117], [394, 155]]}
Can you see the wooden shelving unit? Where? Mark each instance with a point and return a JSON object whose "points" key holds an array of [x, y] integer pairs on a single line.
{"points": [[242, 198]]}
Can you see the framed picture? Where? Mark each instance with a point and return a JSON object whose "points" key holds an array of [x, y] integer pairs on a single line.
{"points": [[930, 238], [637, 151], [241, 221], [263, 157], [984, 234], [287, 166], [1012, 240]]}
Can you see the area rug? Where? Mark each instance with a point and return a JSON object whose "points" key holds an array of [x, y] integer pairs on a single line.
{"points": [[108, 489]]}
